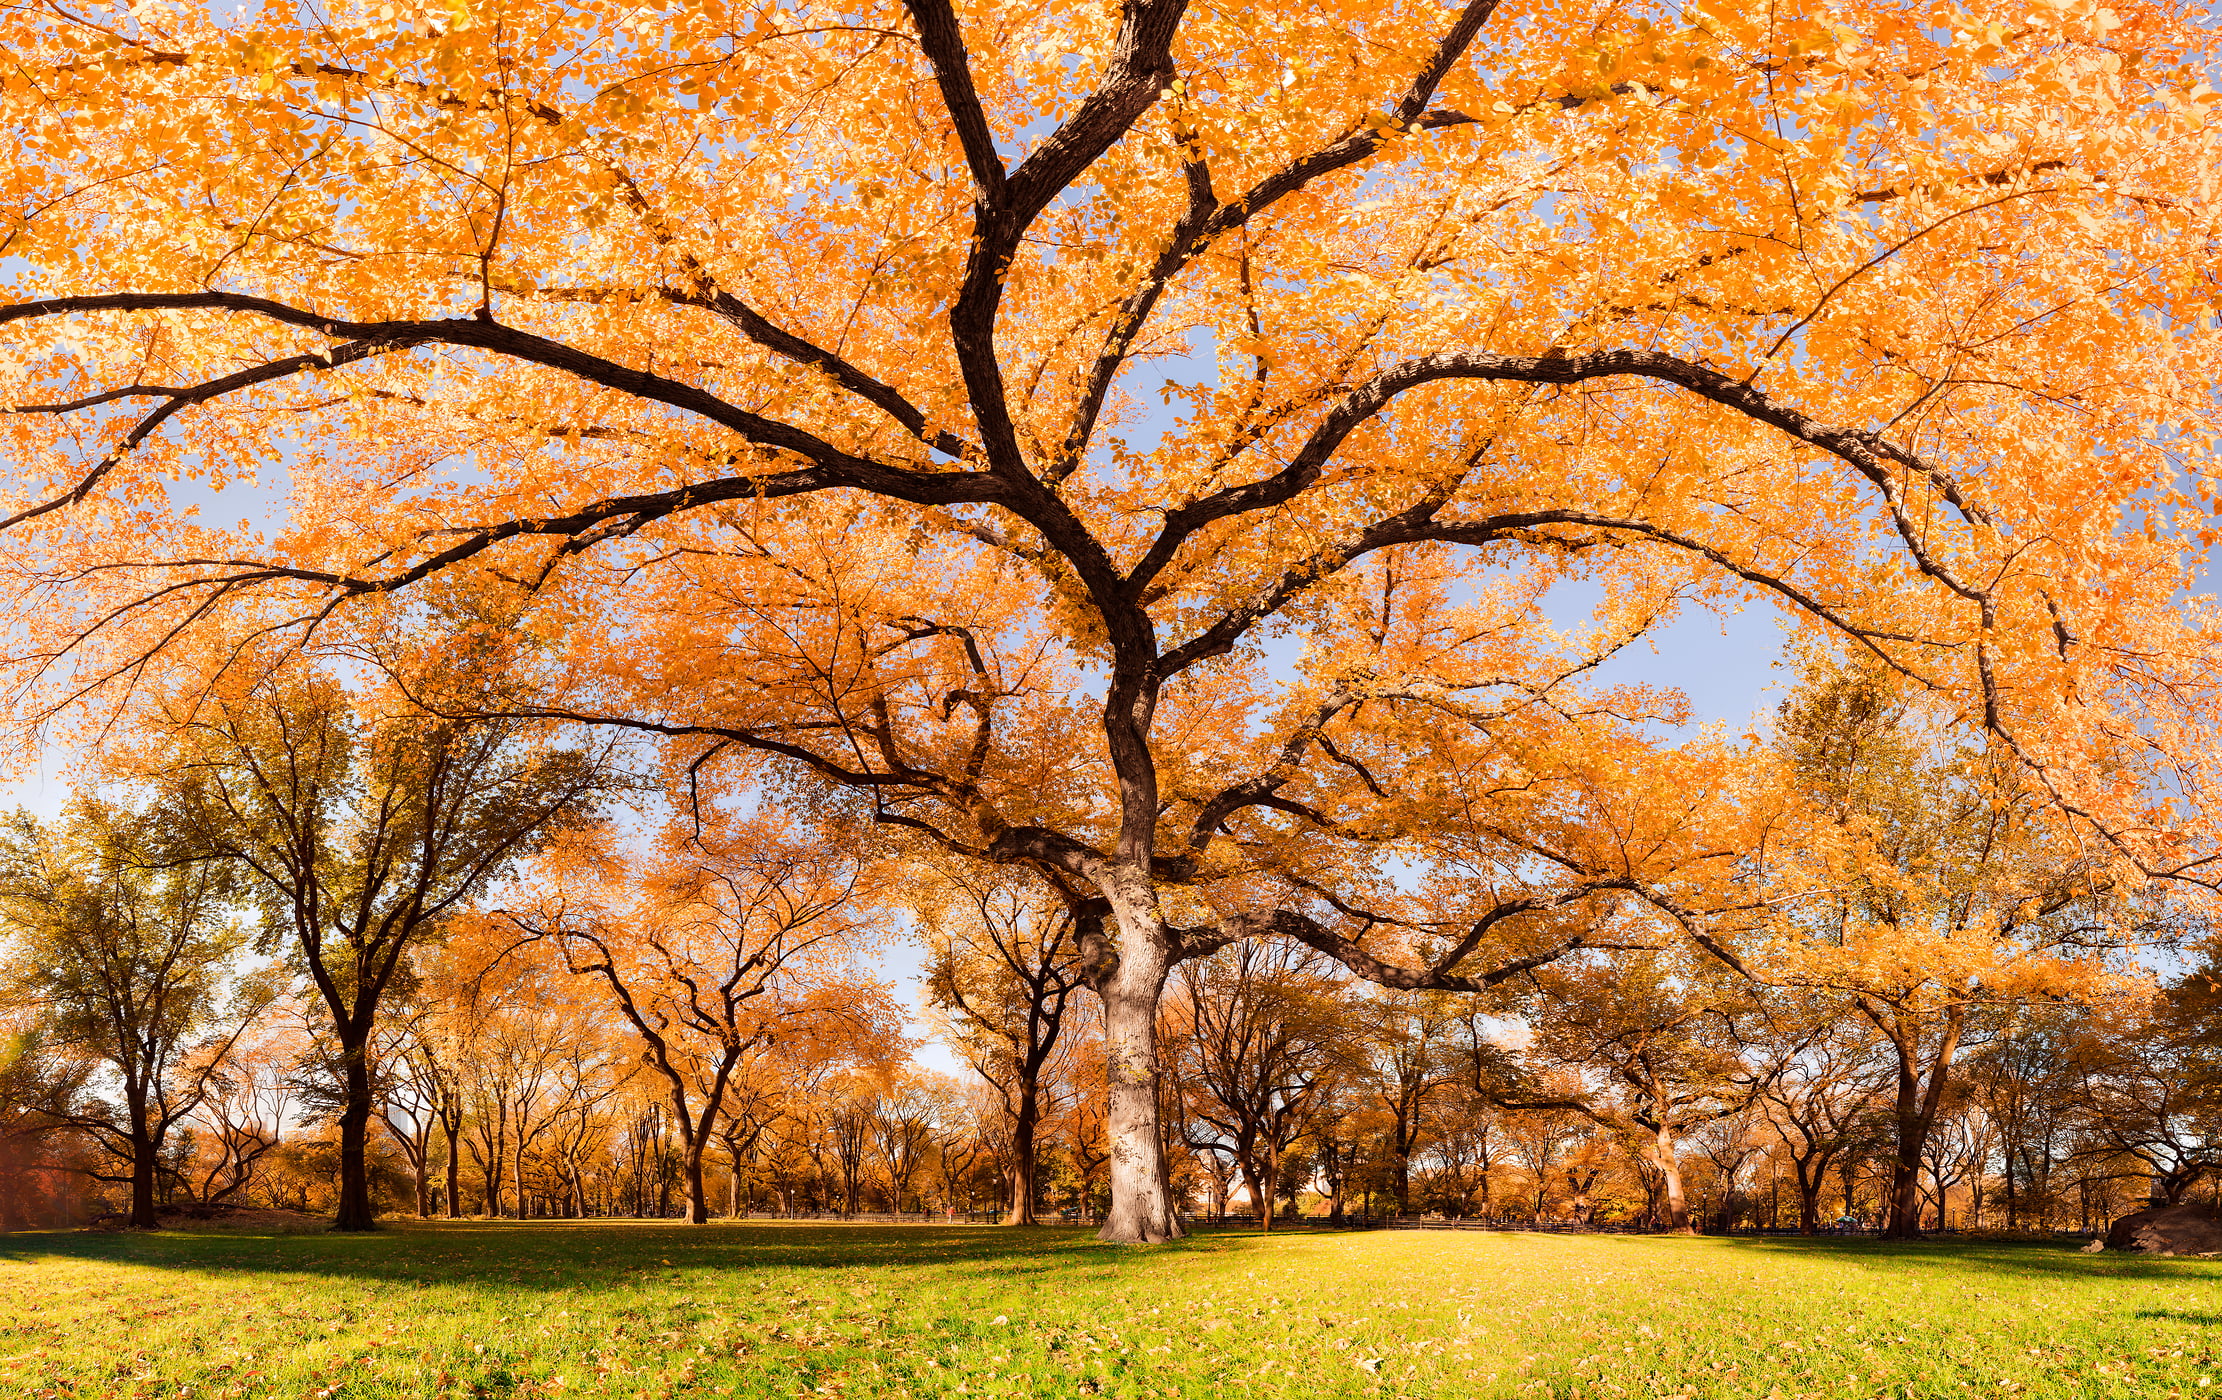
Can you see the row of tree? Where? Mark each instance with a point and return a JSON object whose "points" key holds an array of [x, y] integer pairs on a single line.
{"points": [[529, 1099], [316, 939]]}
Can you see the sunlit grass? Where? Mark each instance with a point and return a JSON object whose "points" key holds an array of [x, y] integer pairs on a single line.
{"points": [[609, 1309]]}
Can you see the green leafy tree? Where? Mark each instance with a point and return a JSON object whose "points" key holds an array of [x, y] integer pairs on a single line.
{"points": [[128, 950]]}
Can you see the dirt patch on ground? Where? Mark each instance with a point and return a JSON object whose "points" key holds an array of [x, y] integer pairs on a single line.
{"points": [[2168, 1230]]}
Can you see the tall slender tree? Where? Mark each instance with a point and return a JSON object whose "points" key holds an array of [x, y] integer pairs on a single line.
{"points": [[1004, 962]]}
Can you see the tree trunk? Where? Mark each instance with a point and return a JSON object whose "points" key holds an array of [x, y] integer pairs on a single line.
{"points": [[517, 1166], [1674, 1204], [1905, 1200], [698, 1202], [1809, 1198], [454, 1174], [1025, 1146], [1141, 1200], [1253, 1185], [1917, 1114], [355, 1211], [143, 1215]]}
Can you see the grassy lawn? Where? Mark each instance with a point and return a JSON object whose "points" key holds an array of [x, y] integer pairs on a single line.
{"points": [[651, 1310]]}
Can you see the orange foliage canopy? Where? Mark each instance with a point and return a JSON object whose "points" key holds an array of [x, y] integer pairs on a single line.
{"points": [[957, 402]]}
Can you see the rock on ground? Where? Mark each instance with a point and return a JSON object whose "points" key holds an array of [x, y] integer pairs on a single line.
{"points": [[2168, 1230]]}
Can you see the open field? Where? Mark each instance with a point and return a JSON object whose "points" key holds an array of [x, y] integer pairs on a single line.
{"points": [[659, 1309]]}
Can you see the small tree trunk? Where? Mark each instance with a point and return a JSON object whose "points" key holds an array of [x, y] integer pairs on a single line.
{"points": [[355, 1211], [1141, 1200], [517, 1167]]}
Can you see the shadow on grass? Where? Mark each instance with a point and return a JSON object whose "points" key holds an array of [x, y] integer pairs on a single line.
{"points": [[590, 1254], [2063, 1259], [600, 1255]]}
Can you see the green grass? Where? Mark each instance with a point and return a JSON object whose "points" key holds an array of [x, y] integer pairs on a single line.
{"points": [[650, 1310]]}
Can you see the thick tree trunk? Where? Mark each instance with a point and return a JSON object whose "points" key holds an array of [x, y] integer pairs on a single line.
{"points": [[1809, 1199], [1917, 1114], [1253, 1186], [698, 1202], [1905, 1196], [143, 1154], [1674, 1203], [355, 1211], [1025, 1152], [1141, 1198]]}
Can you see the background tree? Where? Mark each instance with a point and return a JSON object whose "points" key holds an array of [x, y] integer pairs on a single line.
{"points": [[1409, 1040], [127, 948], [33, 1175], [1267, 1025], [738, 934], [1664, 1040], [362, 825], [250, 1106], [903, 1115], [2147, 1092], [1821, 1097], [1003, 965], [1954, 900]]}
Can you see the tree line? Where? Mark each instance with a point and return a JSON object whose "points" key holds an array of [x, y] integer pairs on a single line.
{"points": [[325, 950]]}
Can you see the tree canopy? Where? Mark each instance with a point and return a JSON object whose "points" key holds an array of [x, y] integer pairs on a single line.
{"points": [[973, 409]]}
